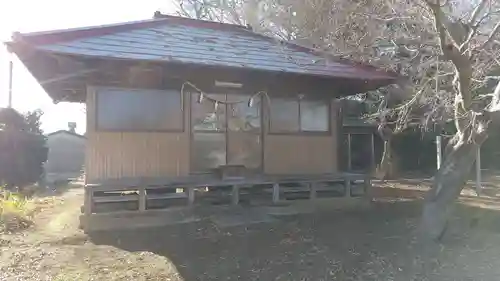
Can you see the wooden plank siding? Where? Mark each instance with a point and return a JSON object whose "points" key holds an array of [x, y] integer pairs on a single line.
{"points": [[288, 155], [302, 154], [112, 155], [133, 154]]}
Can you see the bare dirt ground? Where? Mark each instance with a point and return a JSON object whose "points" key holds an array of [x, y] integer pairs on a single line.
{"points": [[378, 244]]}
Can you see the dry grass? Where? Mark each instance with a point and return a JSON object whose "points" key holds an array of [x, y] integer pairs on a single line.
{"points": [[17, 211]]}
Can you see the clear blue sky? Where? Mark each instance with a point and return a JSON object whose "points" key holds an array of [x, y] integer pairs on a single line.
{"points": [[36, 15]]}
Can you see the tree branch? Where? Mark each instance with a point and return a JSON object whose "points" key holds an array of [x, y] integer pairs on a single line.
{"points": [[455, 31], [492, 35], [438, 25], [476, 13], [416, 96]]}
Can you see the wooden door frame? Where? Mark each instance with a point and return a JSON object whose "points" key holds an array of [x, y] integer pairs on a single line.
{"points": [[260, 169]]}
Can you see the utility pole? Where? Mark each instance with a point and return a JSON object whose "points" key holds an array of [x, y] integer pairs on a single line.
{"points": [[439, 153], [11, 67]]}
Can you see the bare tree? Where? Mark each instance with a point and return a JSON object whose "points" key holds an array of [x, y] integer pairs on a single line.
{"points": [[229, 11], [364, 31], [446, 49], [469, 45]]}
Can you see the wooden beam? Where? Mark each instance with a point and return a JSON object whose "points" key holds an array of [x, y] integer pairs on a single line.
{"points": [[67, 76]]}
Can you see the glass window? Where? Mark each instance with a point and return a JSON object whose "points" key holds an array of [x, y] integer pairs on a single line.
{"points": [[294, 115], [139, 110], [208, 151], [314, 116], [243, 116], [207, 116], [284, 115]]}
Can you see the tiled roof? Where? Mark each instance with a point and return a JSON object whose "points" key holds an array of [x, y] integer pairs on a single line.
{"points": [[180, 40]]}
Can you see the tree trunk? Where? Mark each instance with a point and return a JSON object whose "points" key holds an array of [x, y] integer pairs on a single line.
{"points": [[449, 181], [386, 168]]}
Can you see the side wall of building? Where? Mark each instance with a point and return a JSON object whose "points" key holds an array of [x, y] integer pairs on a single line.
{"points": [[66, 154], [133, 154], [302, 154], [167, 154]]}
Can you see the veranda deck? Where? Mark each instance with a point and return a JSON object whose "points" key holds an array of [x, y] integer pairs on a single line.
{"points": [[142, 194]]}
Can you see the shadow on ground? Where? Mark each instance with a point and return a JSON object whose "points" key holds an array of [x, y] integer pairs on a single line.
{"points": [[379, 244], [58, 189]]}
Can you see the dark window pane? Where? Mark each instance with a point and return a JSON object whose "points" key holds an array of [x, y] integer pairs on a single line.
{"points": [[245, 149], [243, 116], [207, 116], [314, 116], [284, 115], [122, 109], [209, 151]]}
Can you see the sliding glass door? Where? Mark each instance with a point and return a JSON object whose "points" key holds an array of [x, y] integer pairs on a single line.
{"points": [[226, 130]]}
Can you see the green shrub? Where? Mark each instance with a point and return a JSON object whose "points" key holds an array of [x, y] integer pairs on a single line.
{"points": [[23, 149], [14, 211]]}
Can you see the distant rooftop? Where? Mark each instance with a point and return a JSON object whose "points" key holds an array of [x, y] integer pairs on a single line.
{"points": [[66, 132]]}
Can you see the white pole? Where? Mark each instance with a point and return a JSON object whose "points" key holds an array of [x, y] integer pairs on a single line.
{"points": [[478, 170], [438, 151], [438, 136], [372, 151], [438, 156], [11, 66]]}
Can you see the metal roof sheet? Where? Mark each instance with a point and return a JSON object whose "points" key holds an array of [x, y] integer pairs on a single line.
{"points": [[206, 45]]}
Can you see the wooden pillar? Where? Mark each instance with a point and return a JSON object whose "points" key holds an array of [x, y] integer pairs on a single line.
{"points": [[478, 170], [235, 195], [142, 198], [347, 183], [368, 185], [349, 164], [276, 193], [87, 202], [190, 191], [312, 187]]}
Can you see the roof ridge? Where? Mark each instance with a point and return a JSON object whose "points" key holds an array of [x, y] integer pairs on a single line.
{"points": [[69, 34], [67, 132], [158, 15]]}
